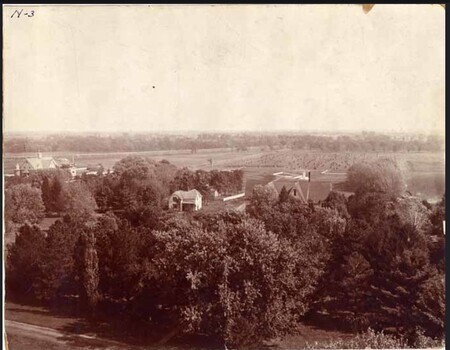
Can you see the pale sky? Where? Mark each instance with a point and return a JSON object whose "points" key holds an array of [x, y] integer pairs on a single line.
{"points": [[224, 68]]}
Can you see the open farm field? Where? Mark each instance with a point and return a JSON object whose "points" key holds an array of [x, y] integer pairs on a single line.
{"points": [[424, 172], [181, 158], [341, 161], [428, 185]]}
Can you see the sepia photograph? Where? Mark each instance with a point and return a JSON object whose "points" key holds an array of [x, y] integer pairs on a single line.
{"points": [[218, 176]]}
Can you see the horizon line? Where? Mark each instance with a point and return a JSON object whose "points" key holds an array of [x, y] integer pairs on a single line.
{"points": [[286, 131]]}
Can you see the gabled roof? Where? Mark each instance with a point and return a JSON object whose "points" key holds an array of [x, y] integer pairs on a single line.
{"points": [[40, 163], [280, 182], [187, 195], [314, 190]]}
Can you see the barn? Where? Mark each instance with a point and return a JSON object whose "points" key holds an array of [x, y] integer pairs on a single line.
{"points": [[186, 200]]}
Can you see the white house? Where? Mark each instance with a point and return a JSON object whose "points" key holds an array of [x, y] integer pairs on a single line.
{"points": [[186, 200]]}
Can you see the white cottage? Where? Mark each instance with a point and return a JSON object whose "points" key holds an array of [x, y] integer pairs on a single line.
{"points": [[186, 200]]}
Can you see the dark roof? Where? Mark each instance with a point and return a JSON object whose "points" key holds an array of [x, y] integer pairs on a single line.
{"points": [[318, 191], [314, 190], [279, 183]]}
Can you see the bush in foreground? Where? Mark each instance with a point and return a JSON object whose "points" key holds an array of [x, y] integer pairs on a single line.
{"points": [[378, 340]]}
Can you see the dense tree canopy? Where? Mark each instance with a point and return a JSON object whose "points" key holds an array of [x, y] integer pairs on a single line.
{"points": [[376, 258], [240, 282], [225, 182], [382, 176], [23, 204], [78, 200]]}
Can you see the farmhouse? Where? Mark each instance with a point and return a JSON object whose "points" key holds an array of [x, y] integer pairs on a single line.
{"points": [[35, 164], [186, 200], [302, 190], [78, 170]]}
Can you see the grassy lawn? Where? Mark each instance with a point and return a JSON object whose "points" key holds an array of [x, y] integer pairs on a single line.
{"points": [[21, 342], [308, 335], [212, 207], [37, 315]]}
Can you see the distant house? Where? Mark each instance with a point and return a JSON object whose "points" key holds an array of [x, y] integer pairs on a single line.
{"points": [[186, 200], [45, 163], [78, 170], [302, 190], [92, 170], [35, 164]]}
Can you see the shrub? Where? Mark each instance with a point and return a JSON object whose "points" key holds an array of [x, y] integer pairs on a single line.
{"points": [[367, 340], [379, 340]]}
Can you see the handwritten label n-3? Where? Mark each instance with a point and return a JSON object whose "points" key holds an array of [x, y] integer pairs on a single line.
{"points": [[22, 14]]}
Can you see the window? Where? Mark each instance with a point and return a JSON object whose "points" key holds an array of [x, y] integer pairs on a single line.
{"points": [[295, 192]]}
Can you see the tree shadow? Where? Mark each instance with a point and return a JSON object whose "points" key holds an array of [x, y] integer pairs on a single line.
{"points": [[107, 328], [28, 311], [62, 308], [326, 322]]}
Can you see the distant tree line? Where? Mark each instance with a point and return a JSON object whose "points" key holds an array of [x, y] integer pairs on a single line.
{"points": [[374, 259], [367, 142]]}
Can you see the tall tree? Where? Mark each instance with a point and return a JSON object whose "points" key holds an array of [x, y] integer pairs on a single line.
{"points": [[284, 195], [57, 194], [47, 194], [57, 272], [118, 246], [86, 261], [24, 260]]}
